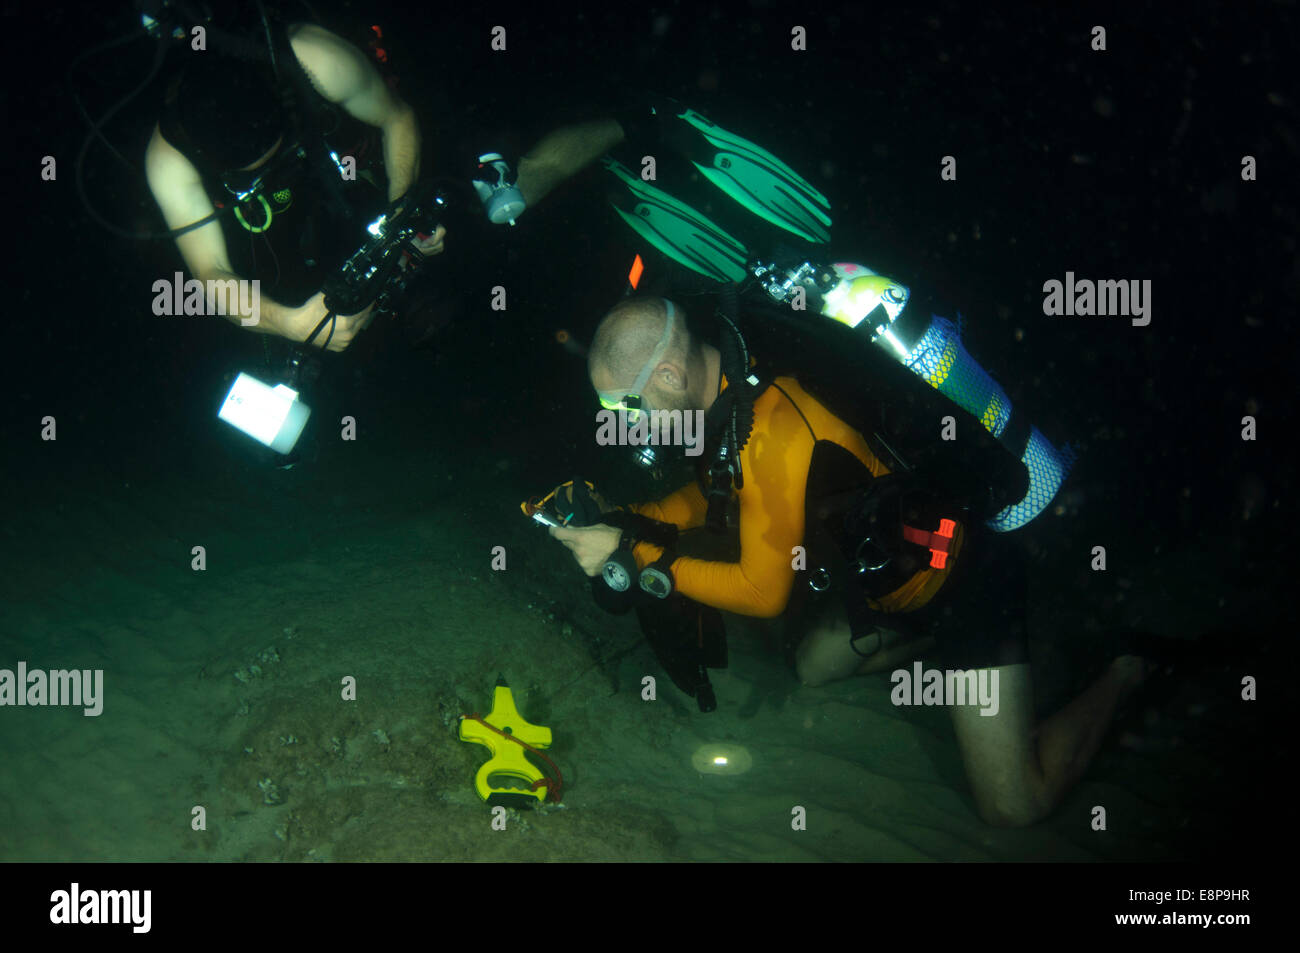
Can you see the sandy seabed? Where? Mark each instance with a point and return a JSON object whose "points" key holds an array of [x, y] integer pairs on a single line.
{"points": [[223, 690]]}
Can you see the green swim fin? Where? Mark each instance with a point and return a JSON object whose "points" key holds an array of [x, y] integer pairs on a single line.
{"points": [[758, 180], [679, 231]]}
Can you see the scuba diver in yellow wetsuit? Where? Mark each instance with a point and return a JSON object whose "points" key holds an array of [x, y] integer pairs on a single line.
{"points": [[875, 541], [1019, 770]]}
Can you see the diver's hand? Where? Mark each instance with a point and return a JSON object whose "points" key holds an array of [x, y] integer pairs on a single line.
{"points": [[591, 545], [433, 244], [346, 326]]}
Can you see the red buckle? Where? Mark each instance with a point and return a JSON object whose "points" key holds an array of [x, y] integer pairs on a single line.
{"points": [[939, 543]]}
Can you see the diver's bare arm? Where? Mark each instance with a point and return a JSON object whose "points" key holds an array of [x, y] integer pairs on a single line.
{"points": [[179, 192], [401, 151], [251, 310], [343, 75], [563, 153]]}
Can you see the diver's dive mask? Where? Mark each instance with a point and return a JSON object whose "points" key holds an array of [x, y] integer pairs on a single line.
{"points": [[647, 457], [245, 183], [249, 186]]}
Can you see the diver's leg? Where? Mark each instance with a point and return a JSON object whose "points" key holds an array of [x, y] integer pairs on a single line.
{"points": [[1068, 739], [998, 752], [562, 153], [1018, 775], [826, 654]]}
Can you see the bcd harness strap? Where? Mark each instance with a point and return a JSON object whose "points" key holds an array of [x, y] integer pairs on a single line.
{"points": [[939, 542]]}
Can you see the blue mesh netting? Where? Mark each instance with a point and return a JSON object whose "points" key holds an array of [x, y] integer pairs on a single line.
{"points": [[942, 361]]}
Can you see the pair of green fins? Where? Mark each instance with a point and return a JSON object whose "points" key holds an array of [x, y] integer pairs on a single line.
{"points": [[748, 173]]}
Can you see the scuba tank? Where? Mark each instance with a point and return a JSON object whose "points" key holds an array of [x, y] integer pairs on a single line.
{"points": [[880, 311], [896, 413]]}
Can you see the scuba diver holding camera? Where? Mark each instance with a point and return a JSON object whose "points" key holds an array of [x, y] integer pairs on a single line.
{"points": [[287, 137], [285, 162], [875, 474], [283, 150]]}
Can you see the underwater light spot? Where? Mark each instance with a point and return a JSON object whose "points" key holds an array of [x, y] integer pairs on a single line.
{"points": [[721, 759]]}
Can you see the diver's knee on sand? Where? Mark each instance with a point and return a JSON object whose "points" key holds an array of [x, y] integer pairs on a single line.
{"points": [[1015, 811], [828, 653], [823, 655]]}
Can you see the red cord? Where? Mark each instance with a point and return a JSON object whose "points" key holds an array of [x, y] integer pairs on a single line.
{"points": [[554, 788]]}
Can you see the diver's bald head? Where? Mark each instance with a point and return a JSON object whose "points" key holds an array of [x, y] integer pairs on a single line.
{"points": [[627, 338], [630, 350]]}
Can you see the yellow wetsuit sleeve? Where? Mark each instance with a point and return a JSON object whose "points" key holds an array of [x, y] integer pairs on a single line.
{"points": [[775, 464], [685, 509]]}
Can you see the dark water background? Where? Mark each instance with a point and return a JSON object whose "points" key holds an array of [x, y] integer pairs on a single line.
{"points": [[1117, 164]]}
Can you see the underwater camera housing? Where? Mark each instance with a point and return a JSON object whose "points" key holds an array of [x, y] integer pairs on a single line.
{"points": [[378, 271]]}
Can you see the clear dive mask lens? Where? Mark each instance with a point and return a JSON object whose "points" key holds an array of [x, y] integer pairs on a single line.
{"points": [[630, 404]]}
